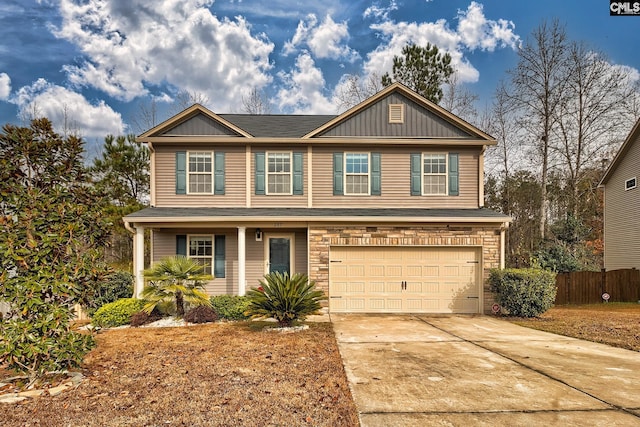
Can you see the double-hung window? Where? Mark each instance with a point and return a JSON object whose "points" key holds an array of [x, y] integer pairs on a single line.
{"points": [[200, 172], [201, 250], [279, 173], [434, 170], [356, 173]]}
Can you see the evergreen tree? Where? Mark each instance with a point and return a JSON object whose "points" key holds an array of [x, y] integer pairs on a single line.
{"points": [[422, 69], [51, 237]]}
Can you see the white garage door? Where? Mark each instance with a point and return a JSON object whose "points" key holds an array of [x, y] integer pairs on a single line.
{"points": [[404, 280]]}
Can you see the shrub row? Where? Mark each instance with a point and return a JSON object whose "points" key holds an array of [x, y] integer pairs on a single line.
{"points": [[127, 311]]}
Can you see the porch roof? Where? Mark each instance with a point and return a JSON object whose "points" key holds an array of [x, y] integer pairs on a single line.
{"points": [[167, 214]]}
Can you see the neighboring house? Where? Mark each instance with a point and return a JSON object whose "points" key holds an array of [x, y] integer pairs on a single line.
{"points": [[622, 205], [382, 206]]}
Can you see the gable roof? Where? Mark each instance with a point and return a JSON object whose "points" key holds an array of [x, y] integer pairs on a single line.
{"points": [[624, 149], [363, 121], [413, 96]]}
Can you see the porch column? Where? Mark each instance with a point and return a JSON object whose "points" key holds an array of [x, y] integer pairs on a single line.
{"points": [[138, 261], [502, 249], [241, 260]]}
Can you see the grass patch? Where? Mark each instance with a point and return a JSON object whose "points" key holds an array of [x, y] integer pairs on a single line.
{"points": [[615, 324]]}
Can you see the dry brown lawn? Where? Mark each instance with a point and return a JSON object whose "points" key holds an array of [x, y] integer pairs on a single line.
{"points": [[223, 374], [616, 324]]}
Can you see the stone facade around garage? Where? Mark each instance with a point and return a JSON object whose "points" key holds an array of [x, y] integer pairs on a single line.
{"points": [[321, 238]]}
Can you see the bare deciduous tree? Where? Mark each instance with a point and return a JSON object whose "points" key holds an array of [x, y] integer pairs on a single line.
{"points": [[353, 89], [537, 89], [256, 102], [459, 100], [591, 117]]}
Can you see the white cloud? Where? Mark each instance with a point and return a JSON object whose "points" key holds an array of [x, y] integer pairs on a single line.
{"points": [[60, 105], [5, 86], [302, 91], [474, 31], [132, 44], [324, 40], [380, 12]]}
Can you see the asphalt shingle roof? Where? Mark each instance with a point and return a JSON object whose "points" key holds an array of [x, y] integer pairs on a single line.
{"points": [[274, 125], [163, 212]]}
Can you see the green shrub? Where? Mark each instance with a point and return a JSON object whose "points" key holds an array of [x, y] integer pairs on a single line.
{"points": [[200, 314], [524, 292], [284, 298], [230, 307], [117, 285], [117, 313]]}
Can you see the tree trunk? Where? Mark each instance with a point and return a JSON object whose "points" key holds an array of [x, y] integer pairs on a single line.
{"points": [[179, 304]]}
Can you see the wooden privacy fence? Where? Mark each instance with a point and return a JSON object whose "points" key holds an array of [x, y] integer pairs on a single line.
{"points": [[587, 287]]}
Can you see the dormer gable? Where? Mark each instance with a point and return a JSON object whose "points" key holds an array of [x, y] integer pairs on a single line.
{"points": [[195, 121], [398, 112]]}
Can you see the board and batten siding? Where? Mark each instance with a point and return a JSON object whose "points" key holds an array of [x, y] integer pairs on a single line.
{"points": [[275, 200], [418, 122], [395, 179], [621, 207], [165, 178], [164, 245]]}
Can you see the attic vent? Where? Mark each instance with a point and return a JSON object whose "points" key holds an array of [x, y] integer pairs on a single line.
{"points": [[396, 113]]}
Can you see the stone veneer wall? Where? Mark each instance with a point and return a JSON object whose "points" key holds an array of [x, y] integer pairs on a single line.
{"points": [[322, 237]]}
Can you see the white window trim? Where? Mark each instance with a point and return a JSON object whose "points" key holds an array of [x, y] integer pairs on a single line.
{"points": [[267, 173], [213, 249], [368, 174], [446, 173], [212, 173], [630, 188]]}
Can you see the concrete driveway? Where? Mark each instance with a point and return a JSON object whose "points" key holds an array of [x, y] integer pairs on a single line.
{"points": [[414, 370]]}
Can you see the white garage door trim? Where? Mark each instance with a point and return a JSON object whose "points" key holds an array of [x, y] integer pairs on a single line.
{"points": [[405, 279]]}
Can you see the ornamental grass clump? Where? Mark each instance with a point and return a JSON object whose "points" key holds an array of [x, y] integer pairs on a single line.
{"points": [[284, 298]]}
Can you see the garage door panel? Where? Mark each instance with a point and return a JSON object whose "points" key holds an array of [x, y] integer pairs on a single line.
{"points": [[404, 279]]}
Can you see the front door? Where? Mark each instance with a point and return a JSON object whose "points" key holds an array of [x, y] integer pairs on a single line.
{"points": [[279, 253]]}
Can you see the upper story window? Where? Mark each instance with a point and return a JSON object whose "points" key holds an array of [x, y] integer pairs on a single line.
{"points": [[201, 250], [200, 176], [356, 173], [434, 169], [630, 184], [279, 173]]}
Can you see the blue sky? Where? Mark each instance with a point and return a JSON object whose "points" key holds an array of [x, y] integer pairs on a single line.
{"points": [[99, 59]]}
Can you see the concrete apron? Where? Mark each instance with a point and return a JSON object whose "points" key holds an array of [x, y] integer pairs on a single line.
{"points": [[414, 370]]}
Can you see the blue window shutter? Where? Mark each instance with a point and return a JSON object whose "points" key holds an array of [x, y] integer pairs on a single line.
{"points": [[416, 174], [298, 187], [181, 172], [260, 174], [376, 174], [218, 177], [181, 244], [219, 256], [454, 180], [338, 175]]}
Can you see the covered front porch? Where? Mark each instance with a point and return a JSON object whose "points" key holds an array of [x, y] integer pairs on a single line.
{"points": [[236, 256]]}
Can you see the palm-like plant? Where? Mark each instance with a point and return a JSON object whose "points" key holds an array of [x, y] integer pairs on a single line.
{"points": [[175, 280], [284, 298]]}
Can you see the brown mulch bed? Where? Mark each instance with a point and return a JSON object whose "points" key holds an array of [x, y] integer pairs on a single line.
{"points": [[207, 375], [615, 324]]}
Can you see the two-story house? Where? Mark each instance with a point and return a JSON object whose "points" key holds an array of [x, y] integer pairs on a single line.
{"points": [[622, 204], [382, 206]]}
